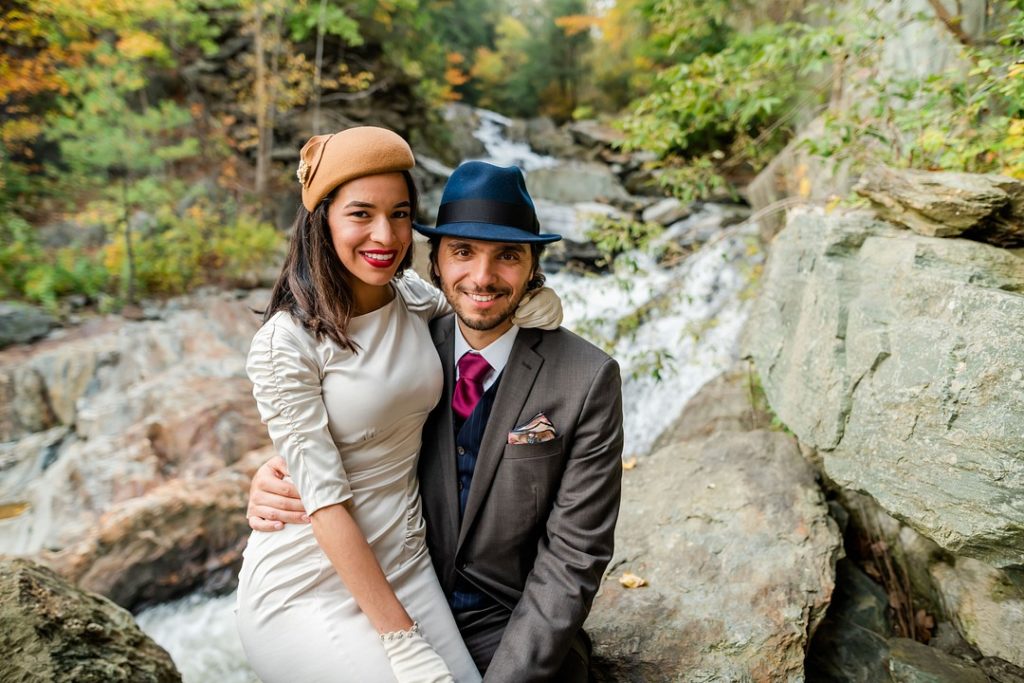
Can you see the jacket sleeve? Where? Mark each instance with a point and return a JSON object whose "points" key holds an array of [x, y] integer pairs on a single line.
{"points": [[287, 386], [576, 547]]}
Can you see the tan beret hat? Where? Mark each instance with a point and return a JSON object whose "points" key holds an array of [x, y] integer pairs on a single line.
{"points": [[327, 161]]}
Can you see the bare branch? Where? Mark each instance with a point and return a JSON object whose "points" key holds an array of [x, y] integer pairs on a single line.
{"points": [[951, 22]]}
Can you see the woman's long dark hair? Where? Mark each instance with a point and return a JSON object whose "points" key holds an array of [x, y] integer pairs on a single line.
{"points": [[313, 285]]}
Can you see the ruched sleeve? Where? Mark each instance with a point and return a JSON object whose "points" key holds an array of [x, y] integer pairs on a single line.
{"points": [[421, 297], [285, 374]]}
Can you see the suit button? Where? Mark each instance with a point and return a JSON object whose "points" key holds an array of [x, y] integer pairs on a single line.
{"points": [[461, 450], [460, 485]]}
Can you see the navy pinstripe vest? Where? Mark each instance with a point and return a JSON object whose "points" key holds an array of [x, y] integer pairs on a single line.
{"points": [[468, 438]]}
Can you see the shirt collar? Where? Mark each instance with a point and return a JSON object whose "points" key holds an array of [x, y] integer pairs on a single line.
{"points": [[496, 353]]}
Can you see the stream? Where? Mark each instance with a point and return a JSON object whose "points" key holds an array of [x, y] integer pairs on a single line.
{"points": [[672, 326]]}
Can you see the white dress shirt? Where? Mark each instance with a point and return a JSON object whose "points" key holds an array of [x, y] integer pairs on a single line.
{"points": [[496, 353]]}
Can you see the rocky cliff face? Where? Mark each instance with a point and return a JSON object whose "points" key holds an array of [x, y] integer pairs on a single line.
{"points": [[899, 359]]}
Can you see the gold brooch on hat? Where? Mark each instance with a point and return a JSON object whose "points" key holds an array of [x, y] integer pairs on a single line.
{"points": [[304, 172]]}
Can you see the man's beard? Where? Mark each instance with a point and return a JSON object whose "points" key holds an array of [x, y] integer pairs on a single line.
{"points": [[483, 322]]}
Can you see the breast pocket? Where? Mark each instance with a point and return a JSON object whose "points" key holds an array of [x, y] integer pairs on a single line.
{"points": [[523, 451]]}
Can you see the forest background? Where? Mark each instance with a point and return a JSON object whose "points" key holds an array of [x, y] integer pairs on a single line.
{"points": [[147, 146]]}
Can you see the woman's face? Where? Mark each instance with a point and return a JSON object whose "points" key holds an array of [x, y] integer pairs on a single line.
{"points": [[371, 227]]}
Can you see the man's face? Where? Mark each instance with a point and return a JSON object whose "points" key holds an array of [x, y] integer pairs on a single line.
{"points": [[484, 281]]}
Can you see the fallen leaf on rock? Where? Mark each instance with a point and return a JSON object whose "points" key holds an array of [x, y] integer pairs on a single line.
{"points": [[629, 464], [631, 580]]}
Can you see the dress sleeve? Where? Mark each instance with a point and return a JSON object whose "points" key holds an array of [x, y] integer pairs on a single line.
{"points": [[421, 297], [286, 384]]}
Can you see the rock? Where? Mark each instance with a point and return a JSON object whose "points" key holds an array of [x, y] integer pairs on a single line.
{"points": [[545, 137], [733, 537], [590, 133], [576, 181], [668, 211], [140, 403], [988, 208], [575, 221], [732, 402], [913, 662], [430, 173], [24, 402], [185, 535], [899, 357], [851, 644], [21, 323], [463, 121], [70, 233], [876, 538], [705, 223], [1001, 671], [53, 631], [986, 605], [640, 177]]}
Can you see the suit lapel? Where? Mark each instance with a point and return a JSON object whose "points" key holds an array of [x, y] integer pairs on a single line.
{"points": [[443, 461], [517, 379]]}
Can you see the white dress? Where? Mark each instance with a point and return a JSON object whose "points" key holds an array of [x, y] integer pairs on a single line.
{"points": [[348, 425]]}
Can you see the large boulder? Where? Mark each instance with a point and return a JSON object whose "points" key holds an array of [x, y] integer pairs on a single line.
{"points": [[901, 359], [576, 181], [989, 208], [733, 536], [986, 604], [545, 137], [184, 535], [21, 323], [53, 631], [463, 121], [594, 133]]}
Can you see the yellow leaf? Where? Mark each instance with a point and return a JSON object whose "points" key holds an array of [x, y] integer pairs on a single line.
{"points": [[629, 464], [805, 187], [631, 580], [139, 45]]}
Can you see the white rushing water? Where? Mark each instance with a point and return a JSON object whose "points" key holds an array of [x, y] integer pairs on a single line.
{"points": [[690, 336]]}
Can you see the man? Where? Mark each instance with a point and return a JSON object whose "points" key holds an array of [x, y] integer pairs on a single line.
{"points": [[520, 466]]}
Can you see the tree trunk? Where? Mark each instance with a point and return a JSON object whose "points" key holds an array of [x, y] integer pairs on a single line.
{"points": [[263, 144], [129, 255], [319, 67]]}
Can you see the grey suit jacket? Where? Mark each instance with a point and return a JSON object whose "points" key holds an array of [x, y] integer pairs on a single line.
{"points": [[540, 519]]}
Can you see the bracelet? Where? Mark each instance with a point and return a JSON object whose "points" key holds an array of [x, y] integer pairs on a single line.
{"points": [[399, 635]]}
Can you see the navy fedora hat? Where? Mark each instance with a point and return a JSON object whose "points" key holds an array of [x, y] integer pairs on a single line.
{"points": [[482, 201]]}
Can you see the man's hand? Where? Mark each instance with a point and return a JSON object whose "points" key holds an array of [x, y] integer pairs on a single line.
{"points": [[274, 502]]}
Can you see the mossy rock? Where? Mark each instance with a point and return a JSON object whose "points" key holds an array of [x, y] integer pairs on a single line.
{"points": [[55, 632]]}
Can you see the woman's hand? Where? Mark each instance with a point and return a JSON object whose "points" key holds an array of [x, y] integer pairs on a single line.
{"points": [[273, 499], [412, 658], [540, 308]]}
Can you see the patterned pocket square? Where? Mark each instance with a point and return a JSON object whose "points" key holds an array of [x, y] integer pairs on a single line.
{"points": [[537, 430]]}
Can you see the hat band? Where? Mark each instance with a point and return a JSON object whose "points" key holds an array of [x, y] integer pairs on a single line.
{"points": [[489, 211]]}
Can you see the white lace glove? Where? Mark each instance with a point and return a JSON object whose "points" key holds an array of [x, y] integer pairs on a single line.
{"points": [[412, 658], [541, 308]]}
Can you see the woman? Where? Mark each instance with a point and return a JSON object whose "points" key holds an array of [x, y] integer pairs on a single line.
{"points": [[344, 373]]}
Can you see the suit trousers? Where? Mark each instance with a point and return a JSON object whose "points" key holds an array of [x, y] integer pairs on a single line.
{"points": [[482, 629]]}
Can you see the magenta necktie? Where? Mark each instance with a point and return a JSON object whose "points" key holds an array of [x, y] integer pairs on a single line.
{"points": [[472, 369]]}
